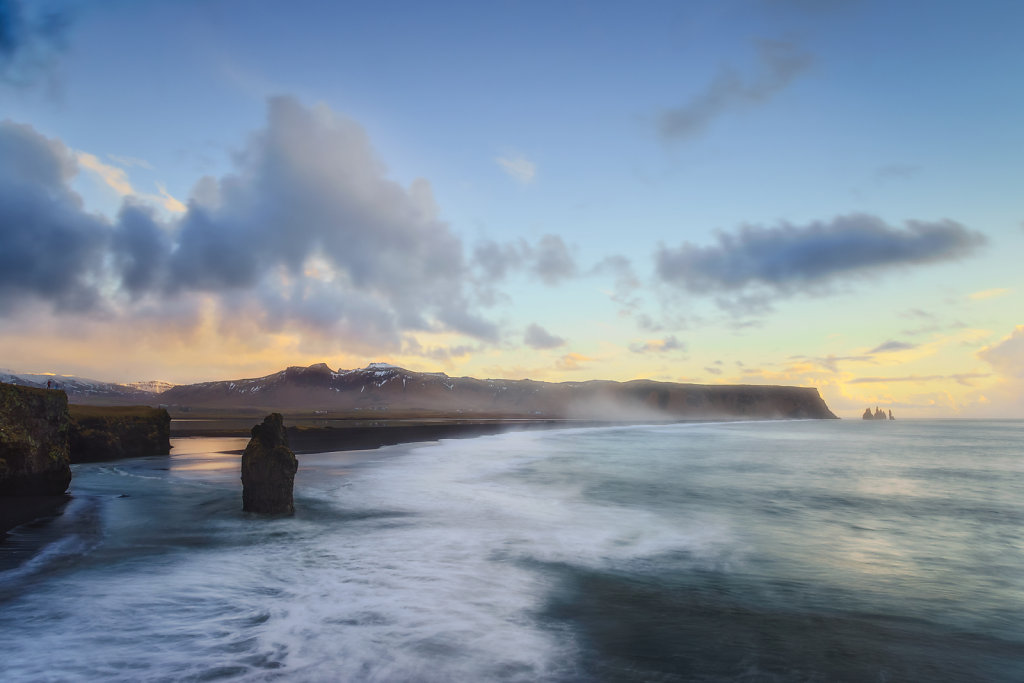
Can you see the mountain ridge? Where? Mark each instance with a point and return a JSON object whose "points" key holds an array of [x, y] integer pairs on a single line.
{"points": [[381, 389], [387, 388]]}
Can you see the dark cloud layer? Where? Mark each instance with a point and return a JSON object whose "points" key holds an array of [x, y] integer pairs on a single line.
{"points": [[757, 262], [779, 62], [51, 248], [31, 35], [308, 227]]}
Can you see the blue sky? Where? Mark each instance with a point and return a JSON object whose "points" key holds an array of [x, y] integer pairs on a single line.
{"points": [[760, 191]]}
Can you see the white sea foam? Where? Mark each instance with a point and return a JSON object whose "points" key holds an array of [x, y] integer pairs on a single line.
{"points": [[426, 564], [451, 561]]}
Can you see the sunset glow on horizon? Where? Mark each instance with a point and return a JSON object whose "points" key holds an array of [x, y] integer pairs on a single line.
{"points": [[746, 192]]}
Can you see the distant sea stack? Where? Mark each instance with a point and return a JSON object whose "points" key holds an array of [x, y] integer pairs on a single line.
{"points": [[34, 425], [114, 432], [879, 414], [268, 469]]}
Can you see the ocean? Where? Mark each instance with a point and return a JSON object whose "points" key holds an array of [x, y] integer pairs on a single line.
{"points": [[740, 551]]}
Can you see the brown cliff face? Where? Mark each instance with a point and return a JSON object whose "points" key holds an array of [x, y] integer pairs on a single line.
{"points": [[268, 469], [34, 425], [109, 433]]}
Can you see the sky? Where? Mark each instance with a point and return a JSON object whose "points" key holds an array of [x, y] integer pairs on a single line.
{"points": [[817, 193]]}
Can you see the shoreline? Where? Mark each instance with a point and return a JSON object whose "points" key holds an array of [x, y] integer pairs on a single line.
{"points": [[308, 436], [312, 436]]}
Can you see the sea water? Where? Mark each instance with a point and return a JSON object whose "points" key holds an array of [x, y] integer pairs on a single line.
{"points": [[767, 551]]}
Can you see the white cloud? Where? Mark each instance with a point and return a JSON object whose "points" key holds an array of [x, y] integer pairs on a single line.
{"points": [[116, 178], [988, 294], [1007, 357], [519, 167], [128, 162]]}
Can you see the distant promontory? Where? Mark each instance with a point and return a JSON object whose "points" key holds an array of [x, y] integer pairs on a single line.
{"points": [[381, 389]]}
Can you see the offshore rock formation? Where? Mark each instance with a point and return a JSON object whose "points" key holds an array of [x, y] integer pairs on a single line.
{"points": [[268, 468], [110, 433], [33, 442], [879, 414]]}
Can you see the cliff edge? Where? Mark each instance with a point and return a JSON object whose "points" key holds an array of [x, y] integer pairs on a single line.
{"points": [[113, 432], [34, 454]]}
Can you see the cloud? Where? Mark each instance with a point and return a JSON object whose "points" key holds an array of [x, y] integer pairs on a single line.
{"points": [[116, 178], [756, 263], [518, 167], [310, 185], [572, 361], [890, 346], [52, 249], [496, 260], [307, 233], [621, 268], [896, 171], [130, 162], [168, 201], [713, 370], [780, 62], [550, 260], [831, 362], [963, 378], [1007, 357], [670, 343], [626, 283], [988, 294], [444, 354], [32, 35], [537, 337]]}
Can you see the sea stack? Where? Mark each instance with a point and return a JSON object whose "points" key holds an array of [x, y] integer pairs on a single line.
{"points": [[34, 457], [268, 468]]}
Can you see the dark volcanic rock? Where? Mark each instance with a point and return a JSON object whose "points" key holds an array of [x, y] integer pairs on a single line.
{"points": [[33, 442], [268, 468], [110, 433]]}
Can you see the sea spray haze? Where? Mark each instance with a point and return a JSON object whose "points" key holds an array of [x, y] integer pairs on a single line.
{"points": [[783, 551]]}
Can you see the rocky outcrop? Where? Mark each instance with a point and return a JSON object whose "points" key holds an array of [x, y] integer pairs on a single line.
{"points": [[34, 426], [113, 432], [268, 469], [879, 414]]}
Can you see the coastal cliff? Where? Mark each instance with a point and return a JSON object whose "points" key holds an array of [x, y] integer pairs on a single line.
{"points": [[110, 433], [385, 390], [34, 426]]}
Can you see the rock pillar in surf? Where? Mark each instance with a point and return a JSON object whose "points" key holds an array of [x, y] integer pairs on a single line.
{"points": [[268, 468]]}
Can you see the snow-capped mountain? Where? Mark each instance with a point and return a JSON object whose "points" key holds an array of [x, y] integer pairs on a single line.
{"points": [[153, 386], [81, 389], [389, 389]]}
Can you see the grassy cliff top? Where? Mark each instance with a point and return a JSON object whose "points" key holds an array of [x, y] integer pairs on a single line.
{"points": [[79, 412]]}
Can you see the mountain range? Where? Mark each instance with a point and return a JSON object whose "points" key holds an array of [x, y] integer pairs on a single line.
{"points": [[382, 389]]}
